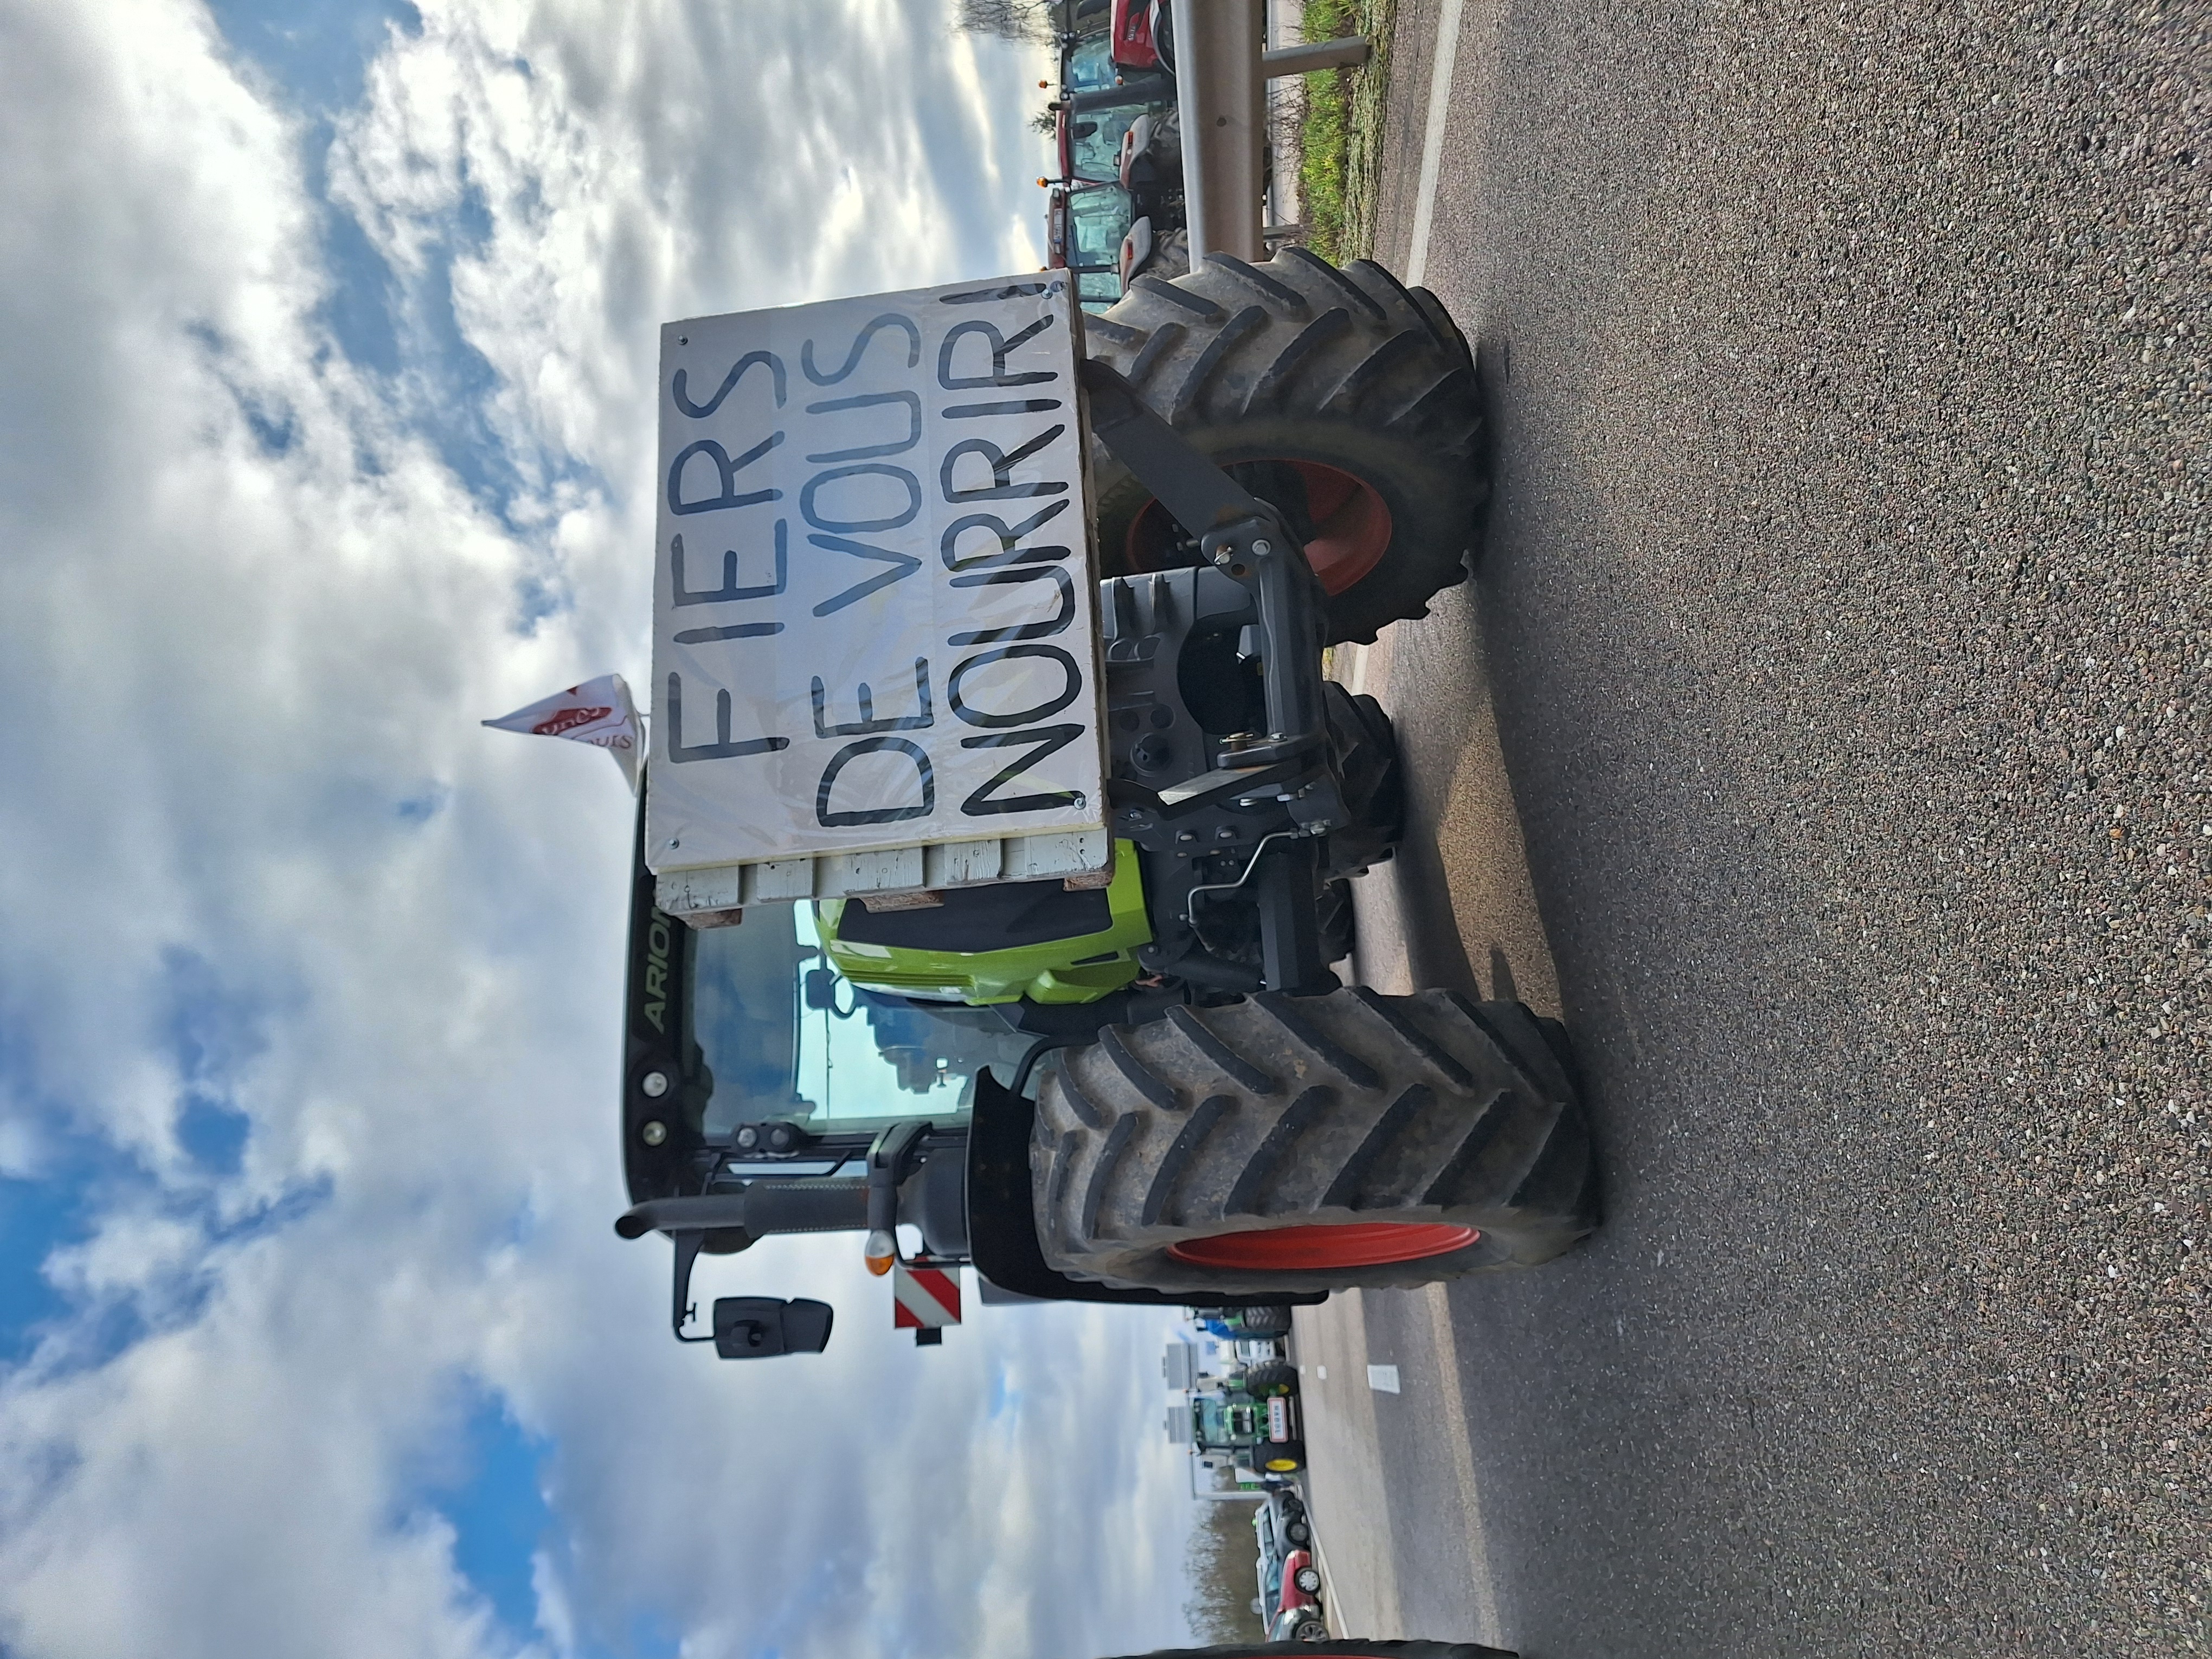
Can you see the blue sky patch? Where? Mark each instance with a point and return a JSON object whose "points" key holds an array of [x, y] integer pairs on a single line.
{"points": [[498, 1515], [423, 804], [316, 49], [35, 1216], [210, 1028], [213, 1133]]}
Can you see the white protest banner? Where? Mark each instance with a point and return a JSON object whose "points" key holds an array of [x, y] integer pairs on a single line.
{"points": [[874, 616], [599, 712]]}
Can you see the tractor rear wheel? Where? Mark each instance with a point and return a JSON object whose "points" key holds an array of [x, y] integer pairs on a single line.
{"points": [[1282, 1143], [1265, 1322], [1342, 397], [1271, 1376]]}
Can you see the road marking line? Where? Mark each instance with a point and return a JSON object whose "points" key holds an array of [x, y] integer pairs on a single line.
{"points": [[1328, 1588], [1384, 1379], [1445, 60], [1463, 1449]]}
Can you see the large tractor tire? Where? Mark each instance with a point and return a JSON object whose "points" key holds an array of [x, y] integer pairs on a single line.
{"points": [[1345, 399], [1311, 1144], [1271, 1376], [1266, 1322]]}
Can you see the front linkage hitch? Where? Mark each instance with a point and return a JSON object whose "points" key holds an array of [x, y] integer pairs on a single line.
{"points": [[1255, 574]]}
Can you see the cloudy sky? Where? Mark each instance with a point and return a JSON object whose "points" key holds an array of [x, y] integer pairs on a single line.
{"points": [[326, 334]]}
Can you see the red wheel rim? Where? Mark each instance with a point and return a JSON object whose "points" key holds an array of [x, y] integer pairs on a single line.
{"points": [[1351, 526], [1349, 1244]]}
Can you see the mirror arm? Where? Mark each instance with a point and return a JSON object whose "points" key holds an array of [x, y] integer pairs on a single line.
{"points": [[687, 1244], [891, 1160]]}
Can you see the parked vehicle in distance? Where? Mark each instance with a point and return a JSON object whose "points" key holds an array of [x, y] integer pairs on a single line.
{"points": [[1133, 34], [1087, 65], [1096, 224], [1299, 1623], [1287, 1514], [1085, 229], [1092, 142], [1289, 1579], [1234, 1324]]}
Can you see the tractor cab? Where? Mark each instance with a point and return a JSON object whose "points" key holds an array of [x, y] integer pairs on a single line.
{"points": [[820, 1068], [1090, 141], [785, 1039], [1089, 66], [1098, 218], [1229, 1427]]}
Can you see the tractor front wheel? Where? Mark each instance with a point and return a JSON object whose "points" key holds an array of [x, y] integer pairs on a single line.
{"points": [[1282, 1143], [1343, 399]]}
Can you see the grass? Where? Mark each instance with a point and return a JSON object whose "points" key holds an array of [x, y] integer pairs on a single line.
{"points": [[1340, 138]]}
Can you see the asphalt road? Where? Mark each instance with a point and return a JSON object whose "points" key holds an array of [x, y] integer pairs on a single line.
{"points": [[1847, 600]]}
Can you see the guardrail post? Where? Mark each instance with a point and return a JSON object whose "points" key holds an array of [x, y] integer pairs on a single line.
{"points": [[1221, 95], [1349, 53]]}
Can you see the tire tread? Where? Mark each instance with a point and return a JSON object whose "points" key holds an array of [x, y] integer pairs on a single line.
{"points": [[1293, 358], [1416, 1108]]}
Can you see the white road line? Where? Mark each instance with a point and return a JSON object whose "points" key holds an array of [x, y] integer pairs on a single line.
{"points": [[1462, 1453], [1446, 59], [1329, 1595]]}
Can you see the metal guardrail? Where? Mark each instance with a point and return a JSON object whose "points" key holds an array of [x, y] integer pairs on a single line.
{"points": [[1222, 71], [1221, 95], [1350, 53]]}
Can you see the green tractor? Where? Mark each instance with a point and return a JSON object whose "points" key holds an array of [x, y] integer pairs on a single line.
{"points": [[1257, 1432], [1148, 1085]]}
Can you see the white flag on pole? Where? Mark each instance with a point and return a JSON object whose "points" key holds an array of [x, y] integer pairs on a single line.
{"points": [[599, 712]]}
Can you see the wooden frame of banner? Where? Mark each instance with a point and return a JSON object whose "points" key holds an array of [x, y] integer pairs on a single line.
{"points": [[1080, 858]]}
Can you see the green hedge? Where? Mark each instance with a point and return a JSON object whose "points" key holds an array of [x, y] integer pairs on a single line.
{"points": [[1340, 139]]}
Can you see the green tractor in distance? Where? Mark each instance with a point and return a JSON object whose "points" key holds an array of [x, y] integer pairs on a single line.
{"points": [[1245, 1418], [1145, 1083], [1249, 1423]]}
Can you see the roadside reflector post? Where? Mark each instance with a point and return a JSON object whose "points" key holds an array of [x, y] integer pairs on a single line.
{"points": [[1221, 96]]}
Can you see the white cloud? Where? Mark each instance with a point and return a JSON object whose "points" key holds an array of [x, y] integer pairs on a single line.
{"points": [[259, 854]]}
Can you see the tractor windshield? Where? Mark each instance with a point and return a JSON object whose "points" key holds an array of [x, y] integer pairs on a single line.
{"points": [[1098, 218], [775, 1031], [1220, 1424], [1090, 66], [1093, 149]]}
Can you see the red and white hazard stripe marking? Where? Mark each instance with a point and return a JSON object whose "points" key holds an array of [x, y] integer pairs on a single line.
{"points": [[923, 1298]]}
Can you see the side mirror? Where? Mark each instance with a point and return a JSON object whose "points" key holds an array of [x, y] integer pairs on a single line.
{"points": [[819, 989], [762, 1326], [1258, 1606]]}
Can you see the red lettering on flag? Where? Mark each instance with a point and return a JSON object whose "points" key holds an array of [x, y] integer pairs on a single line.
{"points": [[567, 721]]}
